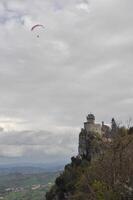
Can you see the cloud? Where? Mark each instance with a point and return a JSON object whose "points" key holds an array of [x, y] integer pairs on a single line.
{"points": [[83, 5], [81, 62], [11, 151], [37, 146]]}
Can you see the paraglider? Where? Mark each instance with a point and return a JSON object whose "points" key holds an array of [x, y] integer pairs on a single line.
{"points": [[37, 26]]}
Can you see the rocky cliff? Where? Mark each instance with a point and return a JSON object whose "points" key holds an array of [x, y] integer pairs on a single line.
{"points": [[103, 170]]}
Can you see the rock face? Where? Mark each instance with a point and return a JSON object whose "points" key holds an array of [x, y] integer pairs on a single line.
{"points": [[91, 135]]}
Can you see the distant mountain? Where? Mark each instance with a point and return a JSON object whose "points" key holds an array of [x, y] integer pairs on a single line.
{"points": [[29, 169]]}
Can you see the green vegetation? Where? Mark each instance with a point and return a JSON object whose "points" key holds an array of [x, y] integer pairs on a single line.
{"points": [[108, 177], [19, 186], [28, 195], [26, 180]]}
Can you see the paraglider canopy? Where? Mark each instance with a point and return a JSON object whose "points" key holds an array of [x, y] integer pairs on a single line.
{"points": [[37, 25], [35, 28]]}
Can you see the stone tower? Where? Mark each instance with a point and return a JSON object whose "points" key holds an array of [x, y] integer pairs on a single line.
{"points": [[92, 135], [87, 136], [90, 119]]}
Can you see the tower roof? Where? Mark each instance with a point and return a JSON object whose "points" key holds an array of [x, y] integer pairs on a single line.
{"points": [[90, 116]]}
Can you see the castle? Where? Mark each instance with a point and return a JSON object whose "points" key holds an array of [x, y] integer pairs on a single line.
{"points": [[93, 130]]}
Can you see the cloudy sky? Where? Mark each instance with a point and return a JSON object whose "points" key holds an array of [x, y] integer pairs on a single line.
{"points": [[80, 63]]}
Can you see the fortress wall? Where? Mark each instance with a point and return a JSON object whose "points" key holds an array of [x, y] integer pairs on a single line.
{"points": [[97, 128], [82, 144], [92, 127], [86, 137]]}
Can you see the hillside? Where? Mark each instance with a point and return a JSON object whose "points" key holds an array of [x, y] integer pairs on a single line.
{"points": [[107, 177]]}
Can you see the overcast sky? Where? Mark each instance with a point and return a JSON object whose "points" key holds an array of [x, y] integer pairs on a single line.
{"points": [[80, 63]]}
